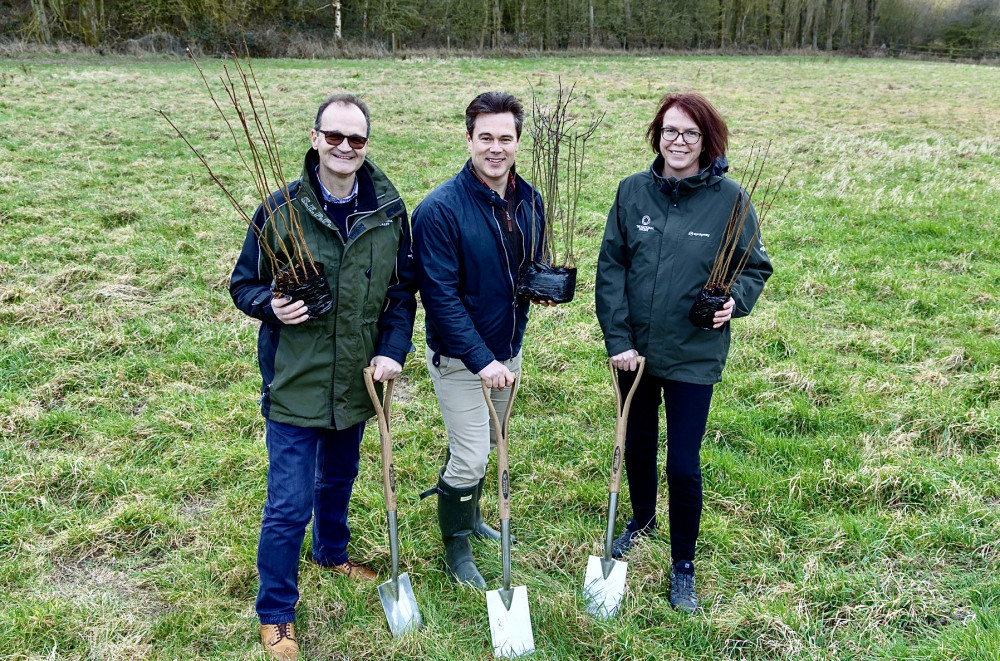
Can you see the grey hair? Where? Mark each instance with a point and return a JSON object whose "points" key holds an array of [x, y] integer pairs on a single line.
{"points": [[345, 100]]}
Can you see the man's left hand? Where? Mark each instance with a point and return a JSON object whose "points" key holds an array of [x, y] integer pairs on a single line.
{"points": [[725, 314], [385, 368], [546, 302]]}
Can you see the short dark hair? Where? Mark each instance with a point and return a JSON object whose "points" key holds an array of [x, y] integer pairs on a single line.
{"points": [[344, 100], [715, 133], [494, 103]]}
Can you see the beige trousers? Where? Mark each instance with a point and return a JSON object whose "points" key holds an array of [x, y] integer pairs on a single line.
{"points": [[471, 436]]}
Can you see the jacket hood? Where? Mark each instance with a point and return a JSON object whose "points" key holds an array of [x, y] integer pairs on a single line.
{"points": [[707, 176]]}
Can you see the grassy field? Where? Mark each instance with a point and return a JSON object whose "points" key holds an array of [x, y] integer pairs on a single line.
{"points": [[852, 462]]}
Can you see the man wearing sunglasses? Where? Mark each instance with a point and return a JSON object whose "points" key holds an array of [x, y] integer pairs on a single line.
{"points": [[470, 236], [313, 395]]}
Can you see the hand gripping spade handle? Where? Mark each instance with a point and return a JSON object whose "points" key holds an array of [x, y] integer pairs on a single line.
{"points": [[400, 605], [510, 617], [604, 583]]}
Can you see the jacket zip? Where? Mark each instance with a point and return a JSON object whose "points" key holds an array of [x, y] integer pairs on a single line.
{"points": [[513, 288], [361, 215], [659, 263]]}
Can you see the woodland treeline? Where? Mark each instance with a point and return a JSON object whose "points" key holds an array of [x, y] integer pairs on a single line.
{"points": [[958, 28]]}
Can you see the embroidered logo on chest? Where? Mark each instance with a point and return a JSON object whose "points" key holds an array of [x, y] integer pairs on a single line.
{"points": [[646, 227]]}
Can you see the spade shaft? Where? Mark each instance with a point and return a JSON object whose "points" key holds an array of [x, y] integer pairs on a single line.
{"points": [[396, 594], [510, 616], [604, 580], [503, 474], [618, 453]]}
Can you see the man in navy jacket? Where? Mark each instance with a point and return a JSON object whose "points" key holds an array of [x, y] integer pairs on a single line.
{"points": [[470, 237]]}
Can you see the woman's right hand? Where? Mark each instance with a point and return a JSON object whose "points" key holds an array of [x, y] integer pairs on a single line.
{"points": [[626, 361]]}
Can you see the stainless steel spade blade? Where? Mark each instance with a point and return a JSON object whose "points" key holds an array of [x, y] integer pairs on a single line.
{"points": [[602, 590]]}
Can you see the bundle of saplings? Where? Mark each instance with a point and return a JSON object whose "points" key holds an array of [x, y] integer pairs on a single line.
{"points": [[725, 271], [280, 236], [559, 142]]}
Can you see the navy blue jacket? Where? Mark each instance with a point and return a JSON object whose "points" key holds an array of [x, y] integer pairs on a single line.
{"points": [[466, 271]]}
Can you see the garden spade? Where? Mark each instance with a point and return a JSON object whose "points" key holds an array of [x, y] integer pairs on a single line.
{"points": [[604, 582], [510, 619], [396, 594]]}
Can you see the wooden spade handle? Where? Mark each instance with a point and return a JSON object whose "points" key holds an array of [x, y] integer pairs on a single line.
{"points": [[503, 461], [621, 422], [385, 438]]}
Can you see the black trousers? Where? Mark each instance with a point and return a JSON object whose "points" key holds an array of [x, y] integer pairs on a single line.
{"points": [[686, 406]]}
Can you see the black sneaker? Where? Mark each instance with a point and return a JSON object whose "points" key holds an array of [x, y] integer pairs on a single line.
{"points": [[625, 541], [682, 596]]}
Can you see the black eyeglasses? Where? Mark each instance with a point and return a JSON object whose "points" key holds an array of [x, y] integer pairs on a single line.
{"points": [[669, 133], [335, 138]]}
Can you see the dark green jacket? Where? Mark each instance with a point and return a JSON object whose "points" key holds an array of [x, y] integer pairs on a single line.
{"points": [[659, 245], [312, 372]]}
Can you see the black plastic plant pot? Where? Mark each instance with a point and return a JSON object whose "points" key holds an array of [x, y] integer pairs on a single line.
{"points": [[709, 301], [541, 282], [306, 285]]}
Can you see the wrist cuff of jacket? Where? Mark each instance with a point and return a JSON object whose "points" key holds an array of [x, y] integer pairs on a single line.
{"points": [[477, 361], [619, 348], [391, 352]]}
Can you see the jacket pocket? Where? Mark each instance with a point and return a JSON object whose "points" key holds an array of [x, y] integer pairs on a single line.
{"points": [[379, 274], [369, 335]]}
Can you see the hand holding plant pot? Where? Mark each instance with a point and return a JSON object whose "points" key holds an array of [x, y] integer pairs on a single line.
{"points": [[289, 312], [558, 148], [308, 285], [296, 302]]}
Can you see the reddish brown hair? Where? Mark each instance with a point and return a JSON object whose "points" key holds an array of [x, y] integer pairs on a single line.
{"points": [[715, 134]]}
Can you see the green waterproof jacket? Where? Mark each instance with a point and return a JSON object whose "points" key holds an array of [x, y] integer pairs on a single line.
{"points": [[659, 246], [312, 372]]}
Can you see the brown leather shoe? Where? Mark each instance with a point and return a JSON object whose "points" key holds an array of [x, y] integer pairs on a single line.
{"points": [[355, 571], [279, 641]]}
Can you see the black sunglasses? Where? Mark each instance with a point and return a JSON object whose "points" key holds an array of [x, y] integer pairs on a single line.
{"points": [[335, 138]]}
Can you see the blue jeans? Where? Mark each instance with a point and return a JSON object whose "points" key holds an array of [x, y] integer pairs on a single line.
{"points": [[310, 475]]}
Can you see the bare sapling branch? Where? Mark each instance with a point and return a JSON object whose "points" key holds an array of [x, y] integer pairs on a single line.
{"points": [[260, 169], [280, 236], [765, 208], [269, 138], [559, 141], [232, 200], [735, 248], [724, 273], [258, 184]]}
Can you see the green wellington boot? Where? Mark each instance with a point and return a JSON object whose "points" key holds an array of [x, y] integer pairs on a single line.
{"points": [[457, 518]]}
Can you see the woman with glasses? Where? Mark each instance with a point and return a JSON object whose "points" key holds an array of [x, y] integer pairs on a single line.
{"points": [[659, 246]]}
